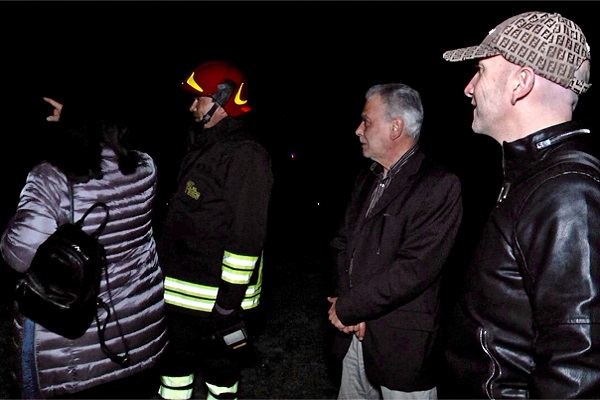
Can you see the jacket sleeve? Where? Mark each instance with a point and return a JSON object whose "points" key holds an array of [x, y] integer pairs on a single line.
{"points": [[339, 243], [247, 193], [558, 234], [413, 259], [37, 217]]}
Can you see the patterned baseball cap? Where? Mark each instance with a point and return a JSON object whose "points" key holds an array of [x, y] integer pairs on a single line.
{"points": [[551, 44]]}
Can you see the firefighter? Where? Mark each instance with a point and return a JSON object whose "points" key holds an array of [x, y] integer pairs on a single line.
{"points": [[211, 241]]}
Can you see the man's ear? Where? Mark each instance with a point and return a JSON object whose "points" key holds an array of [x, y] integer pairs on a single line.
{"points": [[396, 128], [523, 84]]}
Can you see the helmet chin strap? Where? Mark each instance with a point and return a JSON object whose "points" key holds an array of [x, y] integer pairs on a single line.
{"points": [[225, 90], [210, 113]]}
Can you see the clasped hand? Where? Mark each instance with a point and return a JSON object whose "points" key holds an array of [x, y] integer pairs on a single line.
{"points": [[358, 329]]}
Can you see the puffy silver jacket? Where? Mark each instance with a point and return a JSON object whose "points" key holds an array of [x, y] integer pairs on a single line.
{"points": [[61, 365]]}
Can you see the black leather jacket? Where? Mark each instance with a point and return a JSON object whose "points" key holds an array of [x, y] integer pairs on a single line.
{"points": [[528, 323]]}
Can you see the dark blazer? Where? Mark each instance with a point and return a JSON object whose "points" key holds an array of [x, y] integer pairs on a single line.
{"points": [[394, 282]]}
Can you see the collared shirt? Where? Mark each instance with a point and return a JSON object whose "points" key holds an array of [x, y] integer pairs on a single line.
{"points": [[382, 182]]}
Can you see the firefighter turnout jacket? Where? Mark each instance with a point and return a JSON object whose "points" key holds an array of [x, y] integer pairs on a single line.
{"points": [[212, 240]]}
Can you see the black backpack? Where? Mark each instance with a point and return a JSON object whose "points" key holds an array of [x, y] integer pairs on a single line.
{"points": [[60, 289]]}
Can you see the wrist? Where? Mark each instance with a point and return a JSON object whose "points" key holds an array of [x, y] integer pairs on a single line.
{"points": [[222, 311]]}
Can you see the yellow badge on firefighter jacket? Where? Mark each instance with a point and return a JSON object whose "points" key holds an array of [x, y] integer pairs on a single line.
{"points": [[191, 190]]}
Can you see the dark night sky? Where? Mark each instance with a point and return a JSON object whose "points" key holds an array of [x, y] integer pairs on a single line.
{"points": [[308, 64]]}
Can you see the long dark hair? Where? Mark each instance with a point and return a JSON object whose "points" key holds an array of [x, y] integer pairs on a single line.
{"points": [[74, 145]]}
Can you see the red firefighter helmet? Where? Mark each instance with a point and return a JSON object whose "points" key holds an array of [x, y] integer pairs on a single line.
{"points": [[224, 83]]}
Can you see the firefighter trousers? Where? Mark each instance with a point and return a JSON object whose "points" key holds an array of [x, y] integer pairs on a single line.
{"points": [[194, 354]]}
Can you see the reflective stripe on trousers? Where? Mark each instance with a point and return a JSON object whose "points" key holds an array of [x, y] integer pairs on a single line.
{"points": [[181, 388], [221, 392], [176, 387]]}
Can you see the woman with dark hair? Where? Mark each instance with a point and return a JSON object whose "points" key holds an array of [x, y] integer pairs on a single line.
{"points": [[87, 154]]}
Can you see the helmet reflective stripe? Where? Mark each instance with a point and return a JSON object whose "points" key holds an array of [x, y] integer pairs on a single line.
{"points": [[238, 96], [190, 81], [208, 79], [176, 387], [238, 269], [216, 391]]}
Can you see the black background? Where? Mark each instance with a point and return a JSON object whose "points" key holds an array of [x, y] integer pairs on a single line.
{"points": [[308, 65]]}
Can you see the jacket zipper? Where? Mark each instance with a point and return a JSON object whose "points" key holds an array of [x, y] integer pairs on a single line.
{"points": [[490, 379]]}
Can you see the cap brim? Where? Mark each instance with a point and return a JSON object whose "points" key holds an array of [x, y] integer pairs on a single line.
{"points": [[470, 53]]}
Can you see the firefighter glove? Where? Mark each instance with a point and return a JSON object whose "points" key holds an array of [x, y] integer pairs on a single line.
{"points": [[230, 327]]}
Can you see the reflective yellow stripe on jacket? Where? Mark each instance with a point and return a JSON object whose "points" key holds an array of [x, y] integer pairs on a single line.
{"points": [[236, 269]]}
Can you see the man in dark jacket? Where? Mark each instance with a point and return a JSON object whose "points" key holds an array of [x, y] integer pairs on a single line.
{"points": [[211, 244], [399, 227], [527, 323]]}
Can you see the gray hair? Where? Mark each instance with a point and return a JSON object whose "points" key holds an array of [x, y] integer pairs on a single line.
{"points": [[402, 101]]}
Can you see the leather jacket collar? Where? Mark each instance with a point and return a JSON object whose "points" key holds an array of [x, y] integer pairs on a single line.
{"points": [[519, 154]]}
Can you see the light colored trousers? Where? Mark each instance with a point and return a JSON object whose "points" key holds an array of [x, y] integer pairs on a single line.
{"points": [[355, 384]]}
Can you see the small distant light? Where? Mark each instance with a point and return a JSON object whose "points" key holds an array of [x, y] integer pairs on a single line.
{"points": [[292, 155]]}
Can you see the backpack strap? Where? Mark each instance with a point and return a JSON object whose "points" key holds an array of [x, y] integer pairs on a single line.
{"points": [[123, 358], [71, 197], [100, 228]]}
